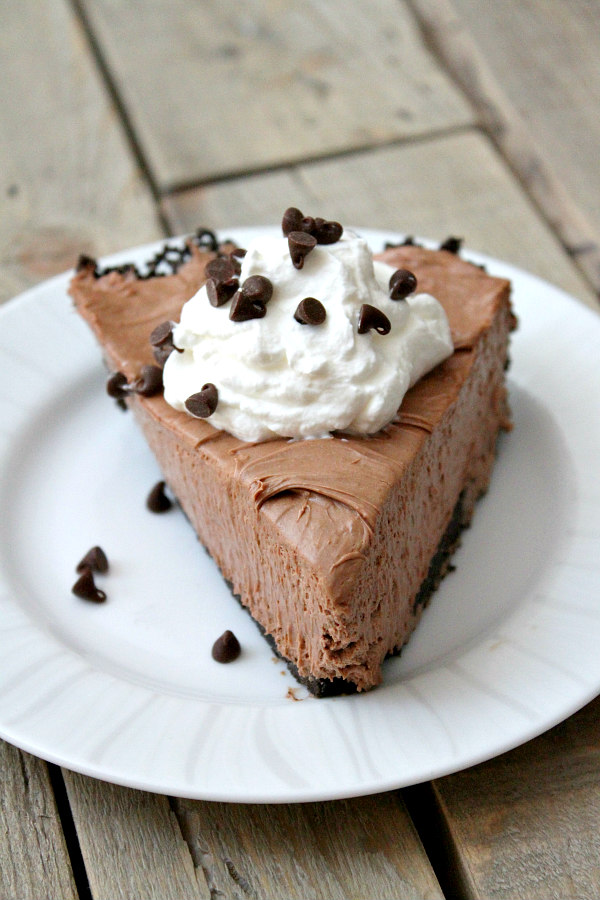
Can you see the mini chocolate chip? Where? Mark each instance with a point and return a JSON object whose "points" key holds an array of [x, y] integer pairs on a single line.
{"points": [[162, 334], [327, 232], [300, 245], [251, 300], [226, 648], [149, 382], [95, 559], [86, 264], [85, 587], [203, 404], [292, 221], [257, 287], [310, 312], [451, 244], [220, 292], [308, 225], [116, 386], [157, 501], [372, 318], [221, 269], [402, 283]]}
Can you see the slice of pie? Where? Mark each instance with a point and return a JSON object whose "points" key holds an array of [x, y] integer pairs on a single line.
{"points": [[333, 545]]}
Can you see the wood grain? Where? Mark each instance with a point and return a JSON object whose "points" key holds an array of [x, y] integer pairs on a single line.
{"points": [[34, 861], [518, 137], [267, 84], [527, 824], [131, 843], [361, 848], [453, 185], [68, 183]]}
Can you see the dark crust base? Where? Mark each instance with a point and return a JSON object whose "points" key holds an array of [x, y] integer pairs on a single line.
{"points": [[438, 568]]}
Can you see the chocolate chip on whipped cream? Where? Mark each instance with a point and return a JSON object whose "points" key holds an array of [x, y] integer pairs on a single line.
{"points": [[226, 648], [310, 311], [300, 245], [161, 341], [401, 284], [220, 292], [250, 302], [203, 404], [325, 231], [236, 256], [95, 559], [372, 319]]}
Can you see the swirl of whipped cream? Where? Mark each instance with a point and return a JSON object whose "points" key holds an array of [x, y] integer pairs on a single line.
{"points": [[277, 377]]}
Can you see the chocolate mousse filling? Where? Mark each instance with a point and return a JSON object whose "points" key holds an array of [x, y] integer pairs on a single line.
{"points": [[333, 545]]}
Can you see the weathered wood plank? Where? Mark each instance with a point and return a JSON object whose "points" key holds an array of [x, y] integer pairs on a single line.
{"points": [[34, 861], [529, 141], [216, 88], [361, 848], [68, 183], [131, 843], [527, 824], [452, 185]]}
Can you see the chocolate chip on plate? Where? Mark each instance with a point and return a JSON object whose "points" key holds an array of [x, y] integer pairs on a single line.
{"points": [[402, 283], [203, 404], [95, 559], [85, 587], [300, 245], [372, 318], [149, 382], [226, 648], [310, 311], [157, 501]]}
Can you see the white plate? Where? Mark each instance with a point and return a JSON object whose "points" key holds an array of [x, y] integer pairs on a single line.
{"points": [[128, 692]]}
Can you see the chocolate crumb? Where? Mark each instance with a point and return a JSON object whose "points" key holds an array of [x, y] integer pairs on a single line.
{"points": [[116, 386], [372, 318], [203, 404], [300, 245], [226, 648], [95, 559], [86, 263], [85, 587], [451, 244], [149, 382], [157, 501], [310, 311], [402, 283]]}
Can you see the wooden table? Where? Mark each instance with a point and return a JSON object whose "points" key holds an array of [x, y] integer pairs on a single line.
{"points": [[122, 122]]}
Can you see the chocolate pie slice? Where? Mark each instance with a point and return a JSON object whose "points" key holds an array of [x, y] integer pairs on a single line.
{"points": [[333, 545]]}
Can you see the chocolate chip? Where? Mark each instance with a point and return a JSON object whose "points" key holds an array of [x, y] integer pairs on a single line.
{"points": [[116, 386], [157, 501], [161, 334], [85, 587], [308, 225], [292, 221], [402, 283], [327, 232], [149, 382], [226, 648], [95, 559], [300, 245], [235, 256], [220, 292], [203, 404], [251, 300], [310, 312], [372, 318], [86, 264], [451, 244], [221, 269]]}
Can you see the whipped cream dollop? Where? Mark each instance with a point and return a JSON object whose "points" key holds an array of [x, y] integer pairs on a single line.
{"points": [[277, 377]]}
